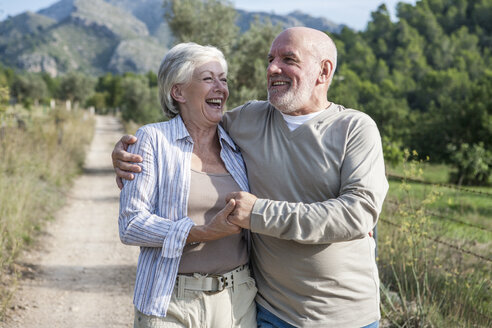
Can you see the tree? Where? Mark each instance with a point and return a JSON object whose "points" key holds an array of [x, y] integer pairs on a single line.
{"points": [[139, 102], [4, 98], [98, 100], [4, 93], [206, 22], [29, 89], [111, 86], [76, 87], [473, 163], [248, 63]]}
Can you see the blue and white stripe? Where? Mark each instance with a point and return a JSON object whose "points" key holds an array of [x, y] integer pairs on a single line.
{"points": [[153, 207]]}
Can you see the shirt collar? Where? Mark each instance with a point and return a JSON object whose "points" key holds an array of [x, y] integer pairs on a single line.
{"points": [[223, 136], [180, 132]]}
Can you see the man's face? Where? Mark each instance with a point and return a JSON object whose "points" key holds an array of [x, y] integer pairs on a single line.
{"points": [[292, 73]]}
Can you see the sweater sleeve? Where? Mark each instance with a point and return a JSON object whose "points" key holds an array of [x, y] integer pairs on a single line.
{"points": [[349, 216], [138, 223]]}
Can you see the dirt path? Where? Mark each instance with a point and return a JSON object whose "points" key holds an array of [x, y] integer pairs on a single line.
{"points": [[81, 275]]}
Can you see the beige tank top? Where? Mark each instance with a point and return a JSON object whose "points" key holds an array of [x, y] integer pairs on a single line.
{"points": [[207, 198]]}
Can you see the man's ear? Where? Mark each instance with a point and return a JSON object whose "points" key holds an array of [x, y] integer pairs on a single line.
{"points": [[177, 93], [326, 71]]}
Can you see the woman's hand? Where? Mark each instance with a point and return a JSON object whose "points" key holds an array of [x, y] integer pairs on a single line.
{"points": [[122, 160], [219, 227]]}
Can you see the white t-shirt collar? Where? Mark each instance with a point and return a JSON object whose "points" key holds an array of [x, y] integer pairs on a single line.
{"points": [[293, 122]]}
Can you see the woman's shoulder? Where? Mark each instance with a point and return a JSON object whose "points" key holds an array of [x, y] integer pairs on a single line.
{"points": [[163, 129]]}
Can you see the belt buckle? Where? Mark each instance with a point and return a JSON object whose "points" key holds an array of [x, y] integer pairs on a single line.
{"points": [[222, 283]]}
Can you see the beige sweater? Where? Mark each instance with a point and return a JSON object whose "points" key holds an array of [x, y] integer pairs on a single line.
{"points": [[321, 189]]}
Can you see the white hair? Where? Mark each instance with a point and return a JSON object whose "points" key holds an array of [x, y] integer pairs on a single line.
{"points": [[177, 67]]}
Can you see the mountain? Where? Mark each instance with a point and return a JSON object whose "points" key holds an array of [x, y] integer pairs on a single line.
{"points": [[98, 36], [295, 18]]}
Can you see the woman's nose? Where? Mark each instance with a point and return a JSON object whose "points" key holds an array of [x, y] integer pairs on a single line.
{"points": [[220, 86]]}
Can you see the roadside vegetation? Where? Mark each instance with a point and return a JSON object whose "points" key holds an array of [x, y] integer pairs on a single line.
{"points": [[434, 250], [42, 150]]}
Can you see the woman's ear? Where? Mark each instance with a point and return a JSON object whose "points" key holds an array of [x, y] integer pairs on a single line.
{"points": [[326, 70], [177, 93]]}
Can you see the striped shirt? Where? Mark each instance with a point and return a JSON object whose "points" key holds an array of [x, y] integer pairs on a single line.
{"points": [[153, 207]]}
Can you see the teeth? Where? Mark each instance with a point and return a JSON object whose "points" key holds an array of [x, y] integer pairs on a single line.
{"points": [[215, 101], [279, 83]]}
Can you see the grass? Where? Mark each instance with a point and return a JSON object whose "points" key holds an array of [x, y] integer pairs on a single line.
{"points": [[426, 235], [39, 162]]}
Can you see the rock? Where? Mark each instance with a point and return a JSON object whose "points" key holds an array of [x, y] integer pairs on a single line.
{"points": [[36, 63], [137, 55]]}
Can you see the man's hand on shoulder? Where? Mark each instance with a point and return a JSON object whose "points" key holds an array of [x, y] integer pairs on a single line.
{"points": [[241, 215], [122, 160]]}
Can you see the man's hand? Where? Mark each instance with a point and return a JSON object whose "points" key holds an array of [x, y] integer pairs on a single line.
{"points": [[122, 159], [244, 206], [219, 227]]}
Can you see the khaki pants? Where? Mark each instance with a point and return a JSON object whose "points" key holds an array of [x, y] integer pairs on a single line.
{"points": [[231, 307]]}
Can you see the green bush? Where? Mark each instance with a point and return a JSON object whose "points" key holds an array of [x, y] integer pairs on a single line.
{"points": [[473, 164]]}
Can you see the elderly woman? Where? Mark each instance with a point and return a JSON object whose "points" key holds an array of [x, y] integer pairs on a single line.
{"points": [[192, 269]]}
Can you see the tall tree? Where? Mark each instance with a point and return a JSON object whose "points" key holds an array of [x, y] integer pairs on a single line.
{"points": [[206, 22], [248, 63]]}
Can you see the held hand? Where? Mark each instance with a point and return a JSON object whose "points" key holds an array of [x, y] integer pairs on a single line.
{"points": [[244, 206], [122, 159], [217, 228]]}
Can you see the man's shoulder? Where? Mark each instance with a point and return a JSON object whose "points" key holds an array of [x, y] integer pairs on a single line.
{"points": [[250, 112], [252, 105], [353, 115]]}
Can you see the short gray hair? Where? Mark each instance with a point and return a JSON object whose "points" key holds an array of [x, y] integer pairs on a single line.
{"points": [[177, 68]]}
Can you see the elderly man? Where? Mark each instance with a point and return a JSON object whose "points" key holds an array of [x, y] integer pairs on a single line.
{"points": [[317, 181]]}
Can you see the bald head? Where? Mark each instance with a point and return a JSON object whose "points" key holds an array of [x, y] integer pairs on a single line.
{"points": [[317, 43], [301, 65]]}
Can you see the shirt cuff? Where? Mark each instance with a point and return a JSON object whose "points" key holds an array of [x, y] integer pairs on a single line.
{"points": [[176, 238], [257, 223]]}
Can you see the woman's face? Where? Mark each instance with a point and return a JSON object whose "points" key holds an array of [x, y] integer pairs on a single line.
{"points": [[202, 101]]}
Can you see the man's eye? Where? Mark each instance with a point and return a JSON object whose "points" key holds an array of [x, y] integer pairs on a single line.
{"points": [[224, 80], [208, 78]]}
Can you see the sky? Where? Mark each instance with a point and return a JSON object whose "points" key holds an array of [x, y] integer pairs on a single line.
{"points": [[354, 13]]}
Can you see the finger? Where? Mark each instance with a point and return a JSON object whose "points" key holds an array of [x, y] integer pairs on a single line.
{"points": [[128, 139], [125, 166], [125, 156], [229, 222], [119, 182], [231, 204], [231, 195], [123, 174]]}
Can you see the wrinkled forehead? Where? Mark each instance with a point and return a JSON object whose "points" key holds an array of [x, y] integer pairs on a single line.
{"points": [[291, 44]]}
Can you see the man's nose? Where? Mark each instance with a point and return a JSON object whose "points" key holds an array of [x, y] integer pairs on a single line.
{"points": [[273, 68]]}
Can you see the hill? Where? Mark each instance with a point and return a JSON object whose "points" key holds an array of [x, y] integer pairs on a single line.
{"points": [[98, 36]]}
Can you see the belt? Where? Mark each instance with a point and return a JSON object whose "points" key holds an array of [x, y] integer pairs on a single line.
{"points": [[212, 283]]}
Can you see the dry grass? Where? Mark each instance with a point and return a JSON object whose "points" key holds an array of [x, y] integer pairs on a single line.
{"points": [[41, 153]]}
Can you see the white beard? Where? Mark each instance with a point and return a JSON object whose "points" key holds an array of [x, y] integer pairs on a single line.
{"points": [[291, 100]]}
